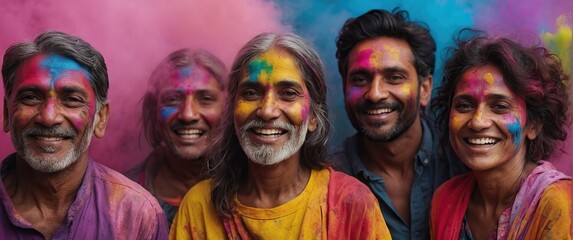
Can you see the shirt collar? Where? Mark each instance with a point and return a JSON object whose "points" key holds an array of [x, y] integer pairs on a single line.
{"points": [[423, 156]]}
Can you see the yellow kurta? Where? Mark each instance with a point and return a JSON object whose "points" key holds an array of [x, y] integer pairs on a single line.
{"points": [[354, 212]]}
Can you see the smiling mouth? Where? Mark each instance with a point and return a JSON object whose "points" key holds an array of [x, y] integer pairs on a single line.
{"points": [[379, 111], [269, 132], [482, 141], [189, 133]]}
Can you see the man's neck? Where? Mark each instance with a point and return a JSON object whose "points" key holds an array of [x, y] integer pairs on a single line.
{"points": [[271, 186], [175, 176], [185, 169], [48, 189], [43, 199], [395, 156]]}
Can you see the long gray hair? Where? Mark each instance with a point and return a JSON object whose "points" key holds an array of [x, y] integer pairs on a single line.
{"points": [[227, 158]]}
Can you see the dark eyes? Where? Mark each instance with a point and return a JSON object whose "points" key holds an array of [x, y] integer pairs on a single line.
{"points": [[69, 101], [30, 99], [287, 94], [250, 94], [498, 107], [359, 80], [74, 101], [463, 107], [177, 99], [364, 79], [396, 77]]}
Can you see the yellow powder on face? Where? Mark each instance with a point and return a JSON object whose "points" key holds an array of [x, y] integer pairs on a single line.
{"points": [[244, 108], [479, 114], [375, 59], [273, 67], [283, 67], [406, 89], [488, 77], [392, 51], [455, 122]]}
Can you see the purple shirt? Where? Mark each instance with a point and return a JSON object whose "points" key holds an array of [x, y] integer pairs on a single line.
{"points": [[107, 206]]}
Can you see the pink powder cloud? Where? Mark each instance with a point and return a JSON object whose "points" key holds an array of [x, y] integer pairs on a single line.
{"points": [[134, 36]]}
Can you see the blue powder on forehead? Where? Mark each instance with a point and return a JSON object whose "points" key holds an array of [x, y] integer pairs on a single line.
{"points": [[256, 66], [56, 65], [185, 72]]}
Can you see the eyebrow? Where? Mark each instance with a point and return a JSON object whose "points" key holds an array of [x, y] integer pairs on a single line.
{"points": [[385, 70], [29, 89], [280, 83], [493, 96], [72, 89]]}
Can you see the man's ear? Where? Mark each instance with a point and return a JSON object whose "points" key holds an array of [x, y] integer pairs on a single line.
{"points": [[6, 124], [101, 121], [426, 90], [312, 125]]}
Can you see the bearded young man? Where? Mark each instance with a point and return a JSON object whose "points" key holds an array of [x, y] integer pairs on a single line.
{"points": [[271, 179], [386, 62]]}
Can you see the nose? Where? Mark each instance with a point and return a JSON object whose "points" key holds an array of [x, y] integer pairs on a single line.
{"points": [[479, 120], [189, 110], [377, 90], [49, 114], [268, 109]]}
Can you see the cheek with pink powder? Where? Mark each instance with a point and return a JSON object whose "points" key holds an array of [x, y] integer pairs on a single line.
{"points": [[354, 95]]}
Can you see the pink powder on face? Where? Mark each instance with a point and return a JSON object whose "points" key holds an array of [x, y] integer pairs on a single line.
{"points": [[363, 60], [477, 86], [133, 37], [354, 95]]}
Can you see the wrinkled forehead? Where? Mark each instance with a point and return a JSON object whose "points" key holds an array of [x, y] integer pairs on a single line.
{"points": [[188, 76], [270, 67], [51, 70], [53, 64]]}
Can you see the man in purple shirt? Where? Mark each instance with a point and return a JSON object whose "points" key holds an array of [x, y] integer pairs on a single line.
{"points": [[56, 90]]}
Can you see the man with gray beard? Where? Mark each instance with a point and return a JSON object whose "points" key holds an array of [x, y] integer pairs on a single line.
{"points": [[56, 100], [270, 179], [386, 62]]}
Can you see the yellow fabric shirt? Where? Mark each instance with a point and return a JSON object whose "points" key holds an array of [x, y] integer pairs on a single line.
{"points": [[355, 212], [301, 218]]}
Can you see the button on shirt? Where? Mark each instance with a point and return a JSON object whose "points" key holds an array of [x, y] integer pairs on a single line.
{"points": [[107, 206], [433, 165]]}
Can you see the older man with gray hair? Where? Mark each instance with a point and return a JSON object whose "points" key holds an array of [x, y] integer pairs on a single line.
{"points": [[56, 100]]}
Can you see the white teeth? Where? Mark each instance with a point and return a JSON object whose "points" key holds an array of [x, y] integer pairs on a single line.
{"points": [[51, 138], [189, 133], [379, 111], [482, 141], [265, 131]]}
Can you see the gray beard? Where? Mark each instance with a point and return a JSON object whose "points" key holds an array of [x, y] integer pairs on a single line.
{"points": [[46, 162], [267, 155]]}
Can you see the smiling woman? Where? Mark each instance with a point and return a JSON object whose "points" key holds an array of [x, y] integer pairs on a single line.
{"points": [[504, 108]]}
